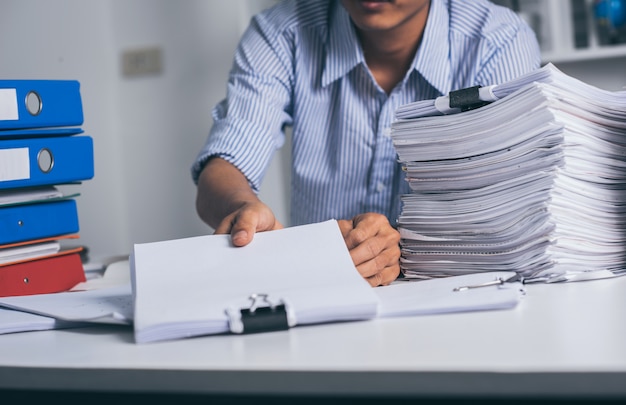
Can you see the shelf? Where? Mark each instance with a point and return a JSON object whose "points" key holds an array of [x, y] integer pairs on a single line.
{"points": [[586, 54], [556, 21]]}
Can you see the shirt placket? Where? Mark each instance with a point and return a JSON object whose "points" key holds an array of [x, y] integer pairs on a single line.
{"points": [[380, 187]]}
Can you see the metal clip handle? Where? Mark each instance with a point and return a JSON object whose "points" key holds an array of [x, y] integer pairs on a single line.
{"points": [[497, 281]]}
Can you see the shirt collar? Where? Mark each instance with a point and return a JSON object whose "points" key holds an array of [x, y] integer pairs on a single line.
{"points": [[344, 49], [432, 62]]}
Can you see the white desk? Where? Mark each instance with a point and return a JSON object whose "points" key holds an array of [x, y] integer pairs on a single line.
{"points": [[562, 341]]}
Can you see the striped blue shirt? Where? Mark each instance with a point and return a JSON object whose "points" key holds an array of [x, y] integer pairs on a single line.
{"points": [[300, 64]]}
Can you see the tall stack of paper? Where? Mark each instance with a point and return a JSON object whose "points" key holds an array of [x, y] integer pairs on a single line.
{"points": [[533, 182], [40, 148]]}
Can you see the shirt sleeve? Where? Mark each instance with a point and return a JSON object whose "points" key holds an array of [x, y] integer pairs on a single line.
{"points": [[248, 125]]}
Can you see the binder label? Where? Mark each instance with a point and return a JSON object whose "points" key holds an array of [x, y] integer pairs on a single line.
{"points": [[8, 105], [14, 164]]}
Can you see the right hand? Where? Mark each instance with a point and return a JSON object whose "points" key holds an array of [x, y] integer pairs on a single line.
{"points": [[226, 202], [249, 218]]}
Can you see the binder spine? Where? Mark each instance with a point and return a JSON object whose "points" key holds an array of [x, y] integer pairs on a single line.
{"points": [[45, 161], [34, 221], [40, 103], [44, 276]]}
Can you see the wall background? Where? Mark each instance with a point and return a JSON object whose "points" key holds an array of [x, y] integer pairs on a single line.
{"points": [[147, 130]]}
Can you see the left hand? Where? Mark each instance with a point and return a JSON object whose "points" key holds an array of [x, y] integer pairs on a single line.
{"points": [[374, 247]]}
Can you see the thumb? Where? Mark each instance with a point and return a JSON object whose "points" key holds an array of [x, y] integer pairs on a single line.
{"points": [[243, 231], [247, 223]]}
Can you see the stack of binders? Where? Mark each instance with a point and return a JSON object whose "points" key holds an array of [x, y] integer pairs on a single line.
{"points": [[41, 147], [527, 176]]}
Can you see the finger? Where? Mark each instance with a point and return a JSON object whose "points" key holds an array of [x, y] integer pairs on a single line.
{"points": [[225, 226], [389, 274], [256, 218], [374, 280], [345, 227], [386, 277], [388, 258], [244, 227], [366, 226], [371, 237], [368, 254], [354, 235], [387, 240]]}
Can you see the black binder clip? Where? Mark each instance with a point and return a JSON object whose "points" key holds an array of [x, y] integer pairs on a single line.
{"points": [[466, 99], [261, 316]]}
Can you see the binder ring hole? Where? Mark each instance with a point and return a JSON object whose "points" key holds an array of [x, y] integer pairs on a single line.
{"points": [[45, 160], [33, 103]]}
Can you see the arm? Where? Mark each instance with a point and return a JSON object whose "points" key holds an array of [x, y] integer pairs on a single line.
{"points": [[248, 128], [227, 203]]}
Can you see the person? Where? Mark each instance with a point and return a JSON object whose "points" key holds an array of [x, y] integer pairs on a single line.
{"points": [[335, 71]]}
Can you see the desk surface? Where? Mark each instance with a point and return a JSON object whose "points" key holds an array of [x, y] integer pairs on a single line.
{"points": [[563, 340]]}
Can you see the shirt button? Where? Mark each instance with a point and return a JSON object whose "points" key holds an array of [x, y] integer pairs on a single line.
{"points": [[380, 187]]}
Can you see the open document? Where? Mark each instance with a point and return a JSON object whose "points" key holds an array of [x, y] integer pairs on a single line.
{"points": [[204, 285]]}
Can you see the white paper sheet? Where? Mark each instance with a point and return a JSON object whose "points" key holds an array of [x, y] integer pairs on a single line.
{"points": [[185, 287], [106, 305]]}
